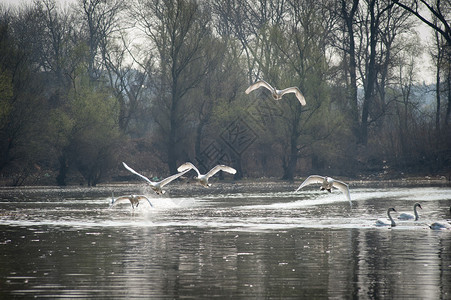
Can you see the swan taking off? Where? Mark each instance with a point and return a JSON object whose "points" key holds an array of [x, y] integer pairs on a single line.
{"points": [[156, 186], [134, 200], [203, 178], [277, 94], [326, 184], [382, 222], [409, 216]]}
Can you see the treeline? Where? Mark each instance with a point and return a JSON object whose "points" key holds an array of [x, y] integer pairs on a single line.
{"points": [[156, 83]]}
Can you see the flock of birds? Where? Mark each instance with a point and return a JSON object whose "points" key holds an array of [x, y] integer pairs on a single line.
{"points": [[408, 216], [327, 183]]}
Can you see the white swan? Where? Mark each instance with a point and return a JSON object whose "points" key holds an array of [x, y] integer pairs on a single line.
{"points": [[203, 178], [134, 200], [326, 184], [156, 186], [383, 222], [409, 216], [441, 225], [277, 94]]}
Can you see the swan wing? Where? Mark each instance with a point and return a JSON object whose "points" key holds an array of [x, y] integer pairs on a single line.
{"points": [[141, 197], [171, 178], [258, 84], [136, 173], [344, 188], [218, 168], [297, 92], [406, 216], [188, 166], [118, 200], [311, 180], [381, 222]]}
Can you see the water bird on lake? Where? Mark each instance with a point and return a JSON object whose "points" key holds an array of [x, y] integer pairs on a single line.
{"points": [[277, 94], [134, 200], [156, 186], [383, 222], [441, 225], [326, 184], [409, 216], [203, 178]]}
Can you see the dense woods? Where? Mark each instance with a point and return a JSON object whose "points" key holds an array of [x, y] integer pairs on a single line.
{"points": [[156, 83]]}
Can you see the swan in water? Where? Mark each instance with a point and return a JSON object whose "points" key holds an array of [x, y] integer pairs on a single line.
{"points": [[156, 186], [441, 225], [326, 184], [203, 178], [277, 94], [383, 222], [134, 200], [409, 216]]}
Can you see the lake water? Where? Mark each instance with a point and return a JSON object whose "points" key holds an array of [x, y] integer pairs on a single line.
{"points": [[229, 241]]}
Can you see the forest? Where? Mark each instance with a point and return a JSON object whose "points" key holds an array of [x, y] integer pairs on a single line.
{"points": [[156, 83]]}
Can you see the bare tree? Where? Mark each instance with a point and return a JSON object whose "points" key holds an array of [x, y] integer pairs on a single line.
{"points": [[177, 31], [101, 20], [435, 14]]}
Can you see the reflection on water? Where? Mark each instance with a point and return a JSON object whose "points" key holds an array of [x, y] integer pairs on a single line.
{"points": [[68, 243]]}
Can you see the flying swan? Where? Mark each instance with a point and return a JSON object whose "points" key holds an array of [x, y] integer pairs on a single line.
{"points": [[409, 216], [383, 222], [134, 200], [326, 184], [156, 186], [203, 178], [277, 94]]}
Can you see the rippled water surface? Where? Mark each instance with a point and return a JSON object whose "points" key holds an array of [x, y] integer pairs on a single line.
{"points": [[223, 243]]}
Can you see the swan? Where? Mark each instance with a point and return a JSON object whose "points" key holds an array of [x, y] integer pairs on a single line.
{"points": [[134, 200], [409, 216], [277, 94], [156, 186], [326, 184], [441, 225], [383, 222], [203, 178]]}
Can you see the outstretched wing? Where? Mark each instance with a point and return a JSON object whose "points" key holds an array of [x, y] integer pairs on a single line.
{"points": [[258, 84], [344, 188], [119, 200], [141, 197], [188, 166], [310, 180], [297, 92], [218, 168], [170, 178], [136, 173]]}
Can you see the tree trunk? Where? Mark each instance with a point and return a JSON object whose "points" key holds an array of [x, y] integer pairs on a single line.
{"points": [[349, 20], [64, 167], [371, 77]]}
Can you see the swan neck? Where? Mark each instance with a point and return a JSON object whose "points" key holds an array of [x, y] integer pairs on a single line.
{"points": [[391, 219]]}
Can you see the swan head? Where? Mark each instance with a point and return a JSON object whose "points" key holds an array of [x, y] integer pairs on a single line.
{"points": [[418, 205], [158, 191]]}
